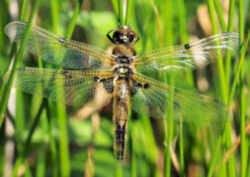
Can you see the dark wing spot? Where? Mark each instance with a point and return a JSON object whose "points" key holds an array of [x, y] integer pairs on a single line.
{"points": [[96, 79], [61, 40], [146, 85], [139, 85], [187, 46], [136, 85], [66, 74], [108, 84], [133, 90]]}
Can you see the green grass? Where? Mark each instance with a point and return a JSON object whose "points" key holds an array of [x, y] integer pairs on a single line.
{"points": [[50, 141]]}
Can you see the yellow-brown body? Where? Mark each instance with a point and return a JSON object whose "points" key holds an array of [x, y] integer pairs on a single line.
{"points": [[121, 106], [123, 70]]}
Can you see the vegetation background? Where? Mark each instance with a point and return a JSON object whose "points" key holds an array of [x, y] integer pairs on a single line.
{"points": [[40, 138]]}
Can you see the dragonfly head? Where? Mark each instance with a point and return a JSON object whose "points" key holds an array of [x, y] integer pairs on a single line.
{"points": [[123, 35]]}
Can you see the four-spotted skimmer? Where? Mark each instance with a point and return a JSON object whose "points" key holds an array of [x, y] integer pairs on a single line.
{"points": [[117, 72]]}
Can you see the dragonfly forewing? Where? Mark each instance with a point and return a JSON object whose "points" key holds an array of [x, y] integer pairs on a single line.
{"points": [[188, 56], [57, 50]]}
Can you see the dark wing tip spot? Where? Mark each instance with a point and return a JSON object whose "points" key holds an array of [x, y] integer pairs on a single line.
{"points": [[62, 40], [66, 74], [146, 85], [187, 46]]}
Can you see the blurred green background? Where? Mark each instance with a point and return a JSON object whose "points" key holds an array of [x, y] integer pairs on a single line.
{"points": [[40, 138]]}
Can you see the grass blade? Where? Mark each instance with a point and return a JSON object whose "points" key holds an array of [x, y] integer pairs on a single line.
{"points": [[244, 150], [6, 91]]}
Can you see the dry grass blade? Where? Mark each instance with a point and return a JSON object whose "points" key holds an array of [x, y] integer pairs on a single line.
{"points": [[236, 145]]}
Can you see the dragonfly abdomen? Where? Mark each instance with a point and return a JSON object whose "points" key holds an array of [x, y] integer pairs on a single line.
{"points": [[121, 104]]}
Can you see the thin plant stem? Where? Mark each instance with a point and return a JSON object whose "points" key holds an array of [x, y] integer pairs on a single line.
{"points": [[74, 19], [238, 69], [6, 91], [26, 149], [119, 171], [23, 15], [54, 14], [125, 11], [223, 86], [244, 150], [214, 159], [122, 12], [229, 29], [222, 82], [169, 121], [61, 110], [220, 14]]}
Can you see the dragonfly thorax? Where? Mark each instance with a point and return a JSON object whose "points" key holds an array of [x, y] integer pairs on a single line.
{"points": [[123, 71], [123, 60], [123, 51]]}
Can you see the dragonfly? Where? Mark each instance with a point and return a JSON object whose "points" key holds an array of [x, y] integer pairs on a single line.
{"points": [[120, 72]]}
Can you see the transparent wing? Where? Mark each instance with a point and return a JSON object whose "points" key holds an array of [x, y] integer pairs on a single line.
{"points": [[78, 86], [57, 50], [186, 56], [194, 108]]}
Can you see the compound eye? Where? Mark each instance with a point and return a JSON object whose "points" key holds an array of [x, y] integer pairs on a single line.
{"points": [[116, 36], [131, 37]]}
